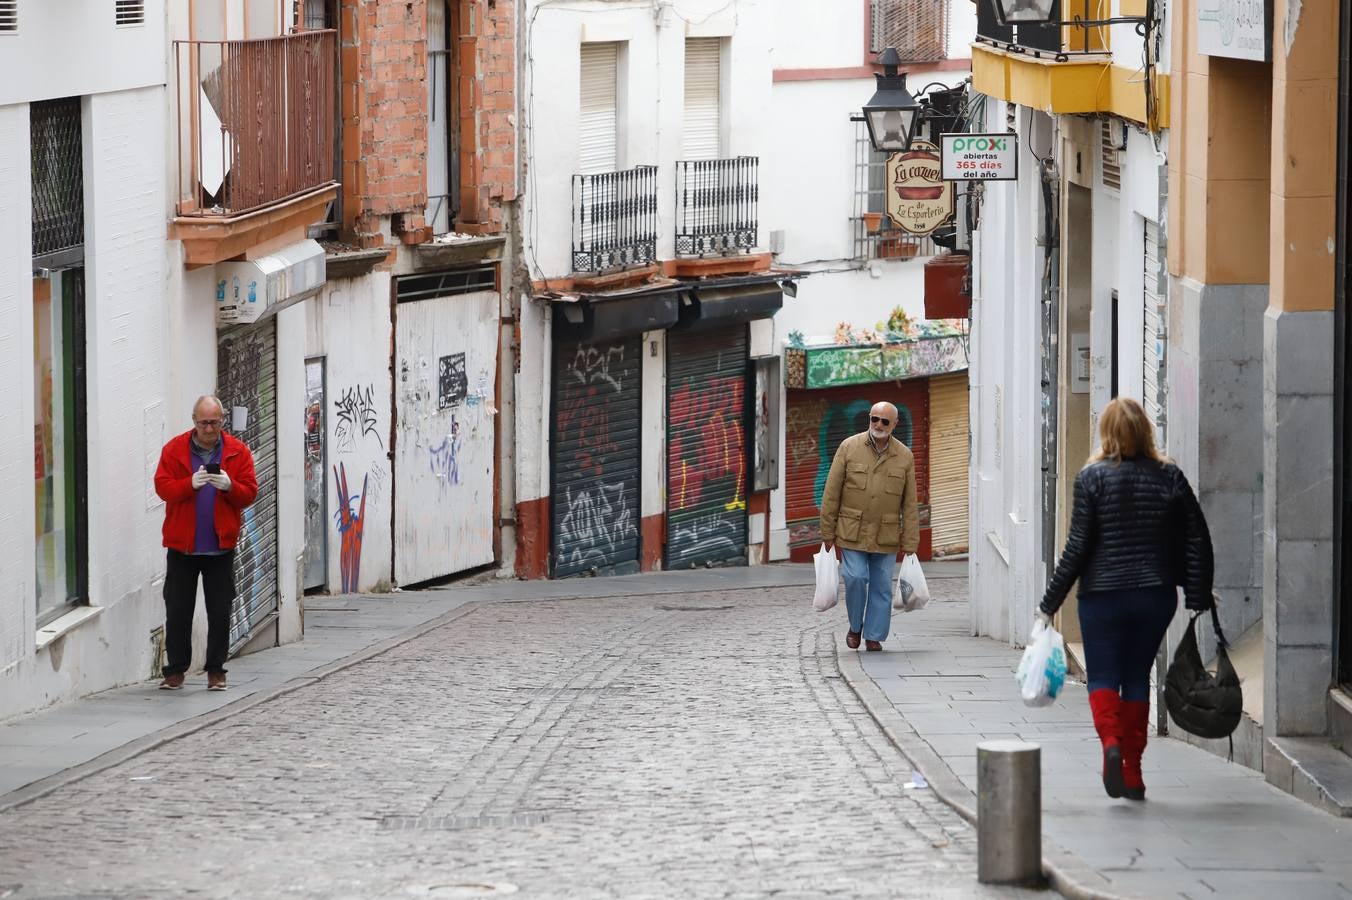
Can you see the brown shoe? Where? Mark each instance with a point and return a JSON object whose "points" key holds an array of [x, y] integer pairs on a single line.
{"points": [[852, 640], [215, 681], [172, 682], [873, 645]]}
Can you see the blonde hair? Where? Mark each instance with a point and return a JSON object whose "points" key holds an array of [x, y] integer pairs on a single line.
{"points": [[1125, 431]]}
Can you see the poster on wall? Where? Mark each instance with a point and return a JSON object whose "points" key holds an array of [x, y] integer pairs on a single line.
{"points": [[919, 200]]}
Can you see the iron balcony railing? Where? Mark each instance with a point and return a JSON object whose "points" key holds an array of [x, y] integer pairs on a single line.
{"points": [[615, 219], [256, 121], [717, 206]]}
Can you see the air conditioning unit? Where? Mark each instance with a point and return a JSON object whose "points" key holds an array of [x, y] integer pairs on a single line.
{"points": [[251, 290]]}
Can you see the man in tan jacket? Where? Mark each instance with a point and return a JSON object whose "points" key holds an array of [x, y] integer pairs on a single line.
{"points": [[869, 512]]}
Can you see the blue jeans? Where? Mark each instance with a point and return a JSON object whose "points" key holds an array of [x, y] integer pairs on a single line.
{"points": [[868, 591], [1122, 630]]}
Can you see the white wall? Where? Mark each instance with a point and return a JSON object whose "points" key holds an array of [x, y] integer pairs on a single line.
{"points": [[126, 364], [349, 325], [95, 56], [17, 541], [652, 91]]}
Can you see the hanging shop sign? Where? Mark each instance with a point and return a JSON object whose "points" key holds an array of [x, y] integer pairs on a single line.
{"points": [[980, 157], [919, 200], [1238, 29]]}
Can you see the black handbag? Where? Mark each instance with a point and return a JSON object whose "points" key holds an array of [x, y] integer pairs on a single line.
{"points": [[1203, 704]]}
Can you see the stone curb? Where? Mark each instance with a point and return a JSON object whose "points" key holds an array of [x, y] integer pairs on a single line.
{"points": [[1065, 874], [41, 788]]}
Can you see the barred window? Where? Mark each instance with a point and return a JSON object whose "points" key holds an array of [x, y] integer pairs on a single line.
{"points": [[58, 175], [875, 237], [918, 29]]}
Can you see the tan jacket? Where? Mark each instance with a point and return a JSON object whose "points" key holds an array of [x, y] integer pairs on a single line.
{"points": [[869, 500]]}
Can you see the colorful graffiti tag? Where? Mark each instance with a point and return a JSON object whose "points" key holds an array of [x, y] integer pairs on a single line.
{"points": [[351, 523]]}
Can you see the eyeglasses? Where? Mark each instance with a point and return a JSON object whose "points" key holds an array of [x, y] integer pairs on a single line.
{"points": [[209, 423], [880, 419]]}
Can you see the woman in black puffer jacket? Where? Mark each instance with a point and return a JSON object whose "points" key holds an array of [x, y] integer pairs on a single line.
{"points": [[1136, 532]]}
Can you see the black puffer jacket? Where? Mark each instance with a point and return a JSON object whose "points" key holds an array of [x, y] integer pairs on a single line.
{"points": [[1136, 524]]}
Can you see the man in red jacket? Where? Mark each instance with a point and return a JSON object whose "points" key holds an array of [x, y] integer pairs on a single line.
{"points": [[206, 479]]}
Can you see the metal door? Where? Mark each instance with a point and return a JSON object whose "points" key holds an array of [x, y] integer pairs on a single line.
{"points": [[948, 445], [706, 447], [594, 476], [316, 450], [445, 385], [246, 367]]}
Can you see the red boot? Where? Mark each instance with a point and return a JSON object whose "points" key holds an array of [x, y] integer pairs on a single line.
{"points": [[1105, 704], [1135, 726]]}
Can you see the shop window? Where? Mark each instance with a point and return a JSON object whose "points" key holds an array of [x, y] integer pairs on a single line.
{"points": [[59, 442]]}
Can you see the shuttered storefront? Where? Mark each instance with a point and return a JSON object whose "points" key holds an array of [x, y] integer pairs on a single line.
{"points": [[701, 125], [706, 447], [597, 115], [948, 448], [246, 365], [1154, 386], [595, 457], [816, 421]]}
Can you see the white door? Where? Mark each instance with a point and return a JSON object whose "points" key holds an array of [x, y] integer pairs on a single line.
{"points": [[445, 387]]}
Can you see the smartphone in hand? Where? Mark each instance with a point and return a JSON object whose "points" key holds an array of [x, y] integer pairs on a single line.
{"points": [[213, 468]]}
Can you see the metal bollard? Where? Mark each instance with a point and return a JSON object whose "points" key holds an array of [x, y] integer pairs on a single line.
{"points": [[1009, 812]]}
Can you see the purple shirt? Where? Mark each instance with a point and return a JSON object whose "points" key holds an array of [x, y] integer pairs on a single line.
{"points": [[205, 539]]}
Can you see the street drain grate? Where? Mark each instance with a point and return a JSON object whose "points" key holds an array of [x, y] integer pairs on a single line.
{"points": [[459, 823], [666, 607]]}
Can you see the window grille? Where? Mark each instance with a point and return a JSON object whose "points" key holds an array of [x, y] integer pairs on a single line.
{"points": [[885, 241], [445, 284], [9, 16], [1112, 159], [918, 29], [130, 12], [58, 175]]}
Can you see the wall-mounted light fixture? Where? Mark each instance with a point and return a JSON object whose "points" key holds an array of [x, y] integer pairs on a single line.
{"points": [[892, 113]]}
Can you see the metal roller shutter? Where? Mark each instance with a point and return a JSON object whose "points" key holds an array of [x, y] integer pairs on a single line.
{"points": [[597, 119], [1154, 387], [246, 365], [700, 133], [948, 449], [816, 421], [706, 448], [595, 450]]}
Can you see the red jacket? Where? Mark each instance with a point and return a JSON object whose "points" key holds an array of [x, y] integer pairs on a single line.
{"points": [[173, 482]]}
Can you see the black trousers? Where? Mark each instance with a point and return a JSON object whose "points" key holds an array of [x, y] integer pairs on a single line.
{"points": [[180, 599]]}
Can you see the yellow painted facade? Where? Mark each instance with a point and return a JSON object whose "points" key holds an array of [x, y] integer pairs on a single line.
{"points": [[1082, 84]]}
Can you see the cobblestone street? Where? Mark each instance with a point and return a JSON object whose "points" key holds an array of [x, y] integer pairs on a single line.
{"points": [[664, 746]]}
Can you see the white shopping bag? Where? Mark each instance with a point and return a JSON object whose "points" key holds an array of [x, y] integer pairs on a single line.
{"points": [[828, 574], [911, 592], [1042, 671]]}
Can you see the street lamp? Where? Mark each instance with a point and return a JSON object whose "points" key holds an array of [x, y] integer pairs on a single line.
{"points": [[1041, 12], [892, 113]]}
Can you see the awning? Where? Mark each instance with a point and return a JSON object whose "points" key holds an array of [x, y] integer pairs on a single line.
{"points": [[258, 288], [714, 307], [594, 317]]}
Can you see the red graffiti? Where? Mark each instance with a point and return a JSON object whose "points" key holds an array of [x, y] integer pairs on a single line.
{"points": [[350, 527], [585, 423], [706, 442]]}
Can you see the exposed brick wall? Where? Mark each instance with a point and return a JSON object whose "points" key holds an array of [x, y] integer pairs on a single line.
{"points": [[384, 109], [486, 77]]}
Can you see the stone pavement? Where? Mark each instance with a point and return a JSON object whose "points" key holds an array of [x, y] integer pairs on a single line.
{"points": [[1207, 829], [687, 734]]}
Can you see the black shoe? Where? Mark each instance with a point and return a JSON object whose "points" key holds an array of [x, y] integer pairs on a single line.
{"points": [[1112, 772]]}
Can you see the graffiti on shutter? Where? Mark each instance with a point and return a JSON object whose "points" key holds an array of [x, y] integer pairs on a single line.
{"points": [[595, 448], [247, 377], [706, 448], [815, 423]]}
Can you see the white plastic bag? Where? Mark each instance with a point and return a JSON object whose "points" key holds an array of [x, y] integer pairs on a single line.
{"points": [[828, 574], [911, 592], [1042, 671]]}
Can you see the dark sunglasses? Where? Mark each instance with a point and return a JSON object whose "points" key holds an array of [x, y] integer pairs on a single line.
{"points": [[880, 419]]}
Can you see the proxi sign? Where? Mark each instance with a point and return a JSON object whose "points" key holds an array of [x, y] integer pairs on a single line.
{"points": [[980, 157]]}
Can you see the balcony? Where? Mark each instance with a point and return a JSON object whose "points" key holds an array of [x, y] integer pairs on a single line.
{"points": [[1064, 69], [256, 156], [614, 221]]}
